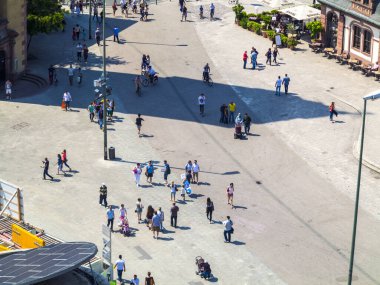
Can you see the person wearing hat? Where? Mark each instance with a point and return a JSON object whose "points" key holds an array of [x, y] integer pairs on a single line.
{"points": [[103, 195]]}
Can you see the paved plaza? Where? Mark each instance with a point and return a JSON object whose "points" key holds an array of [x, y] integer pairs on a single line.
{"points": [[295, 176]]}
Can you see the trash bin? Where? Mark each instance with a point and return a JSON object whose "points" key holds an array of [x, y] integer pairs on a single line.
{"points": [[111, 153]]}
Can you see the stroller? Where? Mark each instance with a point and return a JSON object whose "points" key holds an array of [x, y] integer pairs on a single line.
{"points": [[238, 133], [204, 269], [125, 230]]}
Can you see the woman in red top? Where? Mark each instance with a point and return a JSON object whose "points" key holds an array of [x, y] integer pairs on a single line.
{"points": [[332, 111], [245, 57], [64, 159]]}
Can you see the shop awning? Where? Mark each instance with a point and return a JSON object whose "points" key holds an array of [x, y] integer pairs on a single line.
{"points": [[302, 12]]}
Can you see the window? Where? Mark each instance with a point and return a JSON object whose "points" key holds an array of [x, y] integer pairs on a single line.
{"points": [[367, 42], [366, 2], [357, 37]]}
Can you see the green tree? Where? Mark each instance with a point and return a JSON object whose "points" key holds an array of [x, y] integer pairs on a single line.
{"points": [[315, 28], [44, 16]]}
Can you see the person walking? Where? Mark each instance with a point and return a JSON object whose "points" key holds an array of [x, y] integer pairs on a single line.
{"points": [[77, 32], [114, 8], [116, 34], [285, 82], [223, 109], [231, 109], [67, 99], [110, 217], [156, 221], [149, 172], [228, 229], [60, 165], [209, 209], [91, 110], [202, 102], [167, 171], [212, 11], [96, 14], [64, 159], [137, 174], [79, 51], [173, 191], [97, 36], [332, 111], [254, 54], [46, 169], [162, 217], [70, 72], [184, 13], [103, 195], [245, 58], [269, 56], [230, 195], [174, 215], [195, 170], [149, 216], [100, 117], [247, 123], [277, 85], [149, 280], [139, 123], [120, 267], [139, 209], [275, 54], [85, 53]]}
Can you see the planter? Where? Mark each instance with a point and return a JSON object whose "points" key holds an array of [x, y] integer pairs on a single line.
{"points": [[264, 33]]}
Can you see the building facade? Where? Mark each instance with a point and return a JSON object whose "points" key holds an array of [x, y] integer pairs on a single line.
{"points": [[13, 38], [352, 26]]}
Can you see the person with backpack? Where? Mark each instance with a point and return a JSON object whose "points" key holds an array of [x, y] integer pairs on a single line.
{"points": [[209, 209], [166, 171]]}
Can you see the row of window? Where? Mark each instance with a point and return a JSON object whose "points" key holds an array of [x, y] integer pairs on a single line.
{"points": [[362, 39]]}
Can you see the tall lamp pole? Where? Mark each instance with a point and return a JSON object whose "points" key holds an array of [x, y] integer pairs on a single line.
{"points": [[89, 22], [371, 96], [104, 82]]}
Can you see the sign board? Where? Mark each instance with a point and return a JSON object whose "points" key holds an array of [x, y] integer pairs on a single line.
{"points": [[11, 201], [106, 252], [278, 40]]}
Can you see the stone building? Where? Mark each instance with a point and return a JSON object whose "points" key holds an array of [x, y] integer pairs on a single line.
{"points": [[352, 26], [13, 38]]}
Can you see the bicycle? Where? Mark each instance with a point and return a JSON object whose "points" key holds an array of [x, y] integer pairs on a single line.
{"points": [[207, 80], [148, 80]]}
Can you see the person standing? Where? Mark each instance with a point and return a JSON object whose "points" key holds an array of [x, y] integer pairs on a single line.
{"points": [[114, 8], [202, 102], [167, 171], [46, 169], [8, 90], [277, 85], [120, 267], [269, 56], [209, 209], [139, 123], [51, 71], [77, 32], [156, 221], [97, 34], [188, 166], [116, 34], [139, 209], [85, 53], [230, 195], [174, 215], [79, 51], [173, 191], [70, 72], [245, 58], [64, 159], [195, 169], [110, 217], [67, 99], [91, 110], [232, 109], [122, 212], [149, 216], [275, 54], [247, 123], [184, 13], [285, 82], [162, 217], [103, 195], [137, 173], [149, 280], [212, 11], [332, 111], [96, 14], [222, 113], [254, 58], [228, 229], [149, 172], [100, 117]]}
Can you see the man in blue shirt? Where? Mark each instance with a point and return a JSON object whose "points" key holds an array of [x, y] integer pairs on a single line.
{"points": [[110, 217], [116, 34], [285, 82]]}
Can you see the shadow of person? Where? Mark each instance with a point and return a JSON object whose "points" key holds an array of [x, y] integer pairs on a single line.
{"points": [[236, 242]]}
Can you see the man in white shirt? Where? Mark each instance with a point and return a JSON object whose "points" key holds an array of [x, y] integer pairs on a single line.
{"points": [[70, 72], [196, 170], [67, 99], [202, 102], [228, 229], [277, 85], [120, 267]]}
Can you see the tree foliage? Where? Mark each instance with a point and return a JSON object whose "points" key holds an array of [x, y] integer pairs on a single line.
{"points": [[315, 28]]}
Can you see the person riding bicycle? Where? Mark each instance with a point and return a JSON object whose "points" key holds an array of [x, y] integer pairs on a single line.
{"points": [[206, 72], [138, 83], [151, 73], [201, 11], [212, 10]]}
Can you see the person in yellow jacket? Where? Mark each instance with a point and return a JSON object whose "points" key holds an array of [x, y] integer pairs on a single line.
{"points": [[231, 110]]}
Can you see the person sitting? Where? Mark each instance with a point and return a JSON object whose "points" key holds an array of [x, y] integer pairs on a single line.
{"points": [[372, 68]]}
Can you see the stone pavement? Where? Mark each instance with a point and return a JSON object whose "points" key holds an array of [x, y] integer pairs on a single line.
{"points": [[293, 225]]}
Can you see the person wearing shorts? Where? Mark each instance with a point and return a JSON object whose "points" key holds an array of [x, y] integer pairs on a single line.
{"points": [[195, 169], [156, 221], [149, 172], [139, 123], [230, 195], [8, 90]]}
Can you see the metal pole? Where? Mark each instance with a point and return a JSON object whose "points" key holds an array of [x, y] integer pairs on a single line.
{"points": [[357, 197], [89, 23], [104, 82]]}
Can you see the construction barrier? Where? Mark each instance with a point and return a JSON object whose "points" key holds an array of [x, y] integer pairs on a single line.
{"points": [[25, 239], [3, 248]]}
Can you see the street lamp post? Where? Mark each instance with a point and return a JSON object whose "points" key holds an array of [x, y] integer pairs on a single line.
{"points": [[372, 96], [104, 85], [89, 22]]}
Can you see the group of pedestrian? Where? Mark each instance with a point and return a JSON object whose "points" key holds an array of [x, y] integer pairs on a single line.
{"points": [[254, 53], [227, 113], [96, 111], [279, 82], [61, 160], [272, 54], [76, 7]]}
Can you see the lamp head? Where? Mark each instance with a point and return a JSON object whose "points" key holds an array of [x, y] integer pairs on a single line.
{"points": [[372, 96]]}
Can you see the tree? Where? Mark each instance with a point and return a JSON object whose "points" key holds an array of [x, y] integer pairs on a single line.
{"points": [[44, 16], [315, 28]]}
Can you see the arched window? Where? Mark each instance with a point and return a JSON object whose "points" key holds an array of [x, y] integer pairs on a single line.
{"points": [[367, 41]]}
